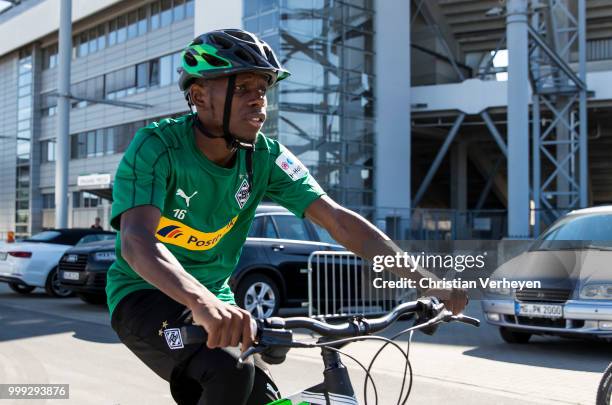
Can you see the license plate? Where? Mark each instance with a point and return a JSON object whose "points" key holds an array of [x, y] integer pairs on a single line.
{"points": [[3, 255], [70, 275], [539, 310]]}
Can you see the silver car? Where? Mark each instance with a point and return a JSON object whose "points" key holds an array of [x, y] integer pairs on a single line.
{"points": [[573, 258]]}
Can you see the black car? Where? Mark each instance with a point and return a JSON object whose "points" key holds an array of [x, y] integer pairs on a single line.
{"points": [[271, 265], [272, 270], [82, 269]]}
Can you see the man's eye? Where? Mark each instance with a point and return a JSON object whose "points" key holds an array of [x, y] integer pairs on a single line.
{"points": [[239, 88]]}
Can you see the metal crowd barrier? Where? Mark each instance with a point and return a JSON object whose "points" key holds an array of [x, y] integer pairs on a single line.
{"points": [[340, 284]]}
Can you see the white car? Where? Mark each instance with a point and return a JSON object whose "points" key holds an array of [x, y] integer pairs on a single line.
{"points": [[33, 262], [572, 260]]}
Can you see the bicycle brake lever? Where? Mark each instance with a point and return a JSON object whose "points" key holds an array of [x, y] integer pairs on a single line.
{"points": [[466, 319], [248, 353]]}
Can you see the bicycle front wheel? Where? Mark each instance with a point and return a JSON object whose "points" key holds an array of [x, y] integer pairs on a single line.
{"points": [[604, 392]]}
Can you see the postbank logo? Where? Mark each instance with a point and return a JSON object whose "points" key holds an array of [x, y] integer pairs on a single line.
{"points": [[179, 234]]}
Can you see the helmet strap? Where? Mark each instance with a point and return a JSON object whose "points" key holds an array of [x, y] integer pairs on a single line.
{"points": [[231, 141]]}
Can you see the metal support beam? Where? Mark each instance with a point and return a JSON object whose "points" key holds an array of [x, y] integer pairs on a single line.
{"points": [[126, 104], [488, 185], [556, 59], [582, 112], [494, 132], [518, 119], [535, 134], [438, 160], [63, 115]]}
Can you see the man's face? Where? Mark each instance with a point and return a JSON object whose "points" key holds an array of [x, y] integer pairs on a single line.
{"points": [[248, 105]]}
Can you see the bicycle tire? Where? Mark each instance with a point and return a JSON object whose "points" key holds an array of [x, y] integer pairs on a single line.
{"points": [[604, 392]]}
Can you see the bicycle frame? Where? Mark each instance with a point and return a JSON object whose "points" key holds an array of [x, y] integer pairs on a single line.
{"points": [[336, 388]]}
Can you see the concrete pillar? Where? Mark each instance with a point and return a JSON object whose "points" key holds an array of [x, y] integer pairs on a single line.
{"points": [[392, 91], [63, 115], [518, 119]]}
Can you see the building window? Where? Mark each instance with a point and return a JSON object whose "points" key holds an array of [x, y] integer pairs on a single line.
{"points": [[103, 141], [47, 151], [154, 16], [179, 10], [83, 199], [189, 8], [166, 12], [101, 36], [132, 30], [48, 201], [24, 136], [112, 32], [49, 57], [142, 20]]}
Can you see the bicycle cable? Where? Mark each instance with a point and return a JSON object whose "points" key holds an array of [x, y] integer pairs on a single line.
{"points": [[407, 365], [432, 321]]}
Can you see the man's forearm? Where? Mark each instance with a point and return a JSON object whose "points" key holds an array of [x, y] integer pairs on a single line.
{"points": [[361, 237], [156, 265]]}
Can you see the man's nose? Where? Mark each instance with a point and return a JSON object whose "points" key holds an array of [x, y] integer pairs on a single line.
{"points": [[257, 98]]}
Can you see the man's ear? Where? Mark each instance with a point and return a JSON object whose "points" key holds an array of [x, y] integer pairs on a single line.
{"points": [[199, 95]]}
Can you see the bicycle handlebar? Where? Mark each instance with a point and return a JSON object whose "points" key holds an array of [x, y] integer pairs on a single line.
{"points": [[270, 330]]}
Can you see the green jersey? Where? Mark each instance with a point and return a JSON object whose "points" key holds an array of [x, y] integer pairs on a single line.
{"points": [[206, 210]]}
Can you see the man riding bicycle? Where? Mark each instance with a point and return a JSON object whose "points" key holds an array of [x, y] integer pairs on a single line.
{"points": [[184, 197]]}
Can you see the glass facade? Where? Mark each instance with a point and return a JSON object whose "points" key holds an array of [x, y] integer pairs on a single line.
{"points": [[122, 28], [324, 112], [24, 137]]}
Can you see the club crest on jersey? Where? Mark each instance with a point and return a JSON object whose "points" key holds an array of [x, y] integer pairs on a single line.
{"points": [[173, 338], [291, 165], [242, 195]]}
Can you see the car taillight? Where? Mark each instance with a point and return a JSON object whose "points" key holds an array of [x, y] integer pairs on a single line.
{"points": [[20, 254]]}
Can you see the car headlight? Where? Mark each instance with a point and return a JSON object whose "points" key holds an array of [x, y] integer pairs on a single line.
{"points": [[506, 292], [105, 256], [596, 292]]}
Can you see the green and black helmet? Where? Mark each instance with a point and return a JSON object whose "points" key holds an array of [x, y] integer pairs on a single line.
{"points": [[227, 52]]}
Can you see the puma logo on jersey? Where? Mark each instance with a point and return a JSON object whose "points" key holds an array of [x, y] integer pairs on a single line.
{"points": [[182, 194]]}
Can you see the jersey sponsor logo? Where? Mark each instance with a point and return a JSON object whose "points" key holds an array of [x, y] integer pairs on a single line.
{"points": [[179, 234], [291, 165], [183, 195], [242, 195], [174, 338], [171, 231]]}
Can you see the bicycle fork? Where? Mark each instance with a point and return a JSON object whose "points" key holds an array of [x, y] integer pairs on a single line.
{"points": [[336, 388]]}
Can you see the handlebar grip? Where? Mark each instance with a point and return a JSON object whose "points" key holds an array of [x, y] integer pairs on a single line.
{"points": [[196, 334], [193, 334]]}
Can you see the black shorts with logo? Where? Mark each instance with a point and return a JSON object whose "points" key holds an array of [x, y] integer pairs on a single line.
{"points": [[147, 322]]}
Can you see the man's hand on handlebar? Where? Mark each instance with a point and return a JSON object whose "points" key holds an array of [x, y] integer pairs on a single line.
{"points": [[454, 299], [225, 324]]}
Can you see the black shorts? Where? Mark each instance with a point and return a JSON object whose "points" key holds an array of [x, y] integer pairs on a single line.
{"points": [[147, 322]]}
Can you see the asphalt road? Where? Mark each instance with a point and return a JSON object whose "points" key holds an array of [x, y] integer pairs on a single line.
{"points": [[65, 341]]}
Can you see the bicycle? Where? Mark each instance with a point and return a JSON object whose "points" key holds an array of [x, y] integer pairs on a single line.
{"points": [[604, 392], [274, 339]]}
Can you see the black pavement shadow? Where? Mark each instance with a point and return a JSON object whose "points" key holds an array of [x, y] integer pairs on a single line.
{"points": [[22, 323], [559, 353]]}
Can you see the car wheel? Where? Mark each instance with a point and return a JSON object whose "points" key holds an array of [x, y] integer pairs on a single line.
{"points": [[95, 299], [511, 336], [258, 294], [53, 286], [21, 289]]}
